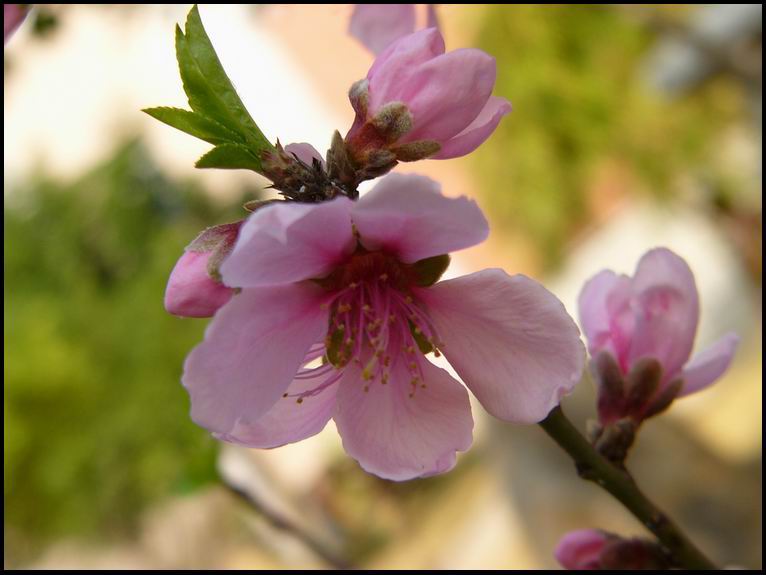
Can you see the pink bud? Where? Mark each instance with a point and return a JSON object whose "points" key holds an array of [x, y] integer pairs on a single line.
{"points": [[447, 97], [646, 325], [593, 549], [194, 289], [581, 549], [191, 292], [13, 16]]}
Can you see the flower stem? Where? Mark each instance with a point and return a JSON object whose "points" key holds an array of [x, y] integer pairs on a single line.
{"points": [[593, 467], [283, 524]]}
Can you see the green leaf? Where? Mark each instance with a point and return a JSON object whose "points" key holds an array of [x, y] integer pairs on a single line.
{"points": [[195, 125], [207, 86], [230, 157]]}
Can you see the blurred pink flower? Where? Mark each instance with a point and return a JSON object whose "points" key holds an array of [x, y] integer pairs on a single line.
{"points": [[419, 93], [13, 16], [653, 314], [193, 290], [291, 351], [581, 549], [378, 25], [593, 549]]}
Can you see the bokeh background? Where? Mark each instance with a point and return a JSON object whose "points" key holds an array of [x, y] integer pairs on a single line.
{"points": [[633, 126]]}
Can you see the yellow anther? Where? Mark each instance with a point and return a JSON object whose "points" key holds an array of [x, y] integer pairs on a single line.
{"points": [[410, 349], [366, 308], [366, 375], [353, 285], [323, 305], [413, 365], [299, 400], [408, 299]]}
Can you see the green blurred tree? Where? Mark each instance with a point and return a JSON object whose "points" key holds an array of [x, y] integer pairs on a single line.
{"points": [[574, 76], [96, 421]]}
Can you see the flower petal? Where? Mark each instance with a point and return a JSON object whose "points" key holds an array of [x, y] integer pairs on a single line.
{"points": [[446, 94], [287, 242], [395, 63], [376, 26], [477, 131], [510, 340], [399, 437], [305, 152], [709, 364], [409, 217], [603, 300], [251, 352], [667, 308], [288, 421], [191, 292]]}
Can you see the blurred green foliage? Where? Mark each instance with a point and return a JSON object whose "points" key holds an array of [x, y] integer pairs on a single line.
{"points": [[96, 420], [573, 75]]}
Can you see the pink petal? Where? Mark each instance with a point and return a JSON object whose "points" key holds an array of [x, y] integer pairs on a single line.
{"points": [[510, 340], [477, 131], [580, 549], [599, 304], [710, 364], [305, 152], [667, 310], [445, 94], [13, 16], [399, 437], [288, 421], [395, 63], [287, 242], [191, 292], [406, 215], [251, 352], [378, 25]]}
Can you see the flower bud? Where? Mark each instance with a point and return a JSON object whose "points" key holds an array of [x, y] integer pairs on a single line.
{"points": [[191, 292], [593, 549], [447, 99], [194, 288], [640, 332]]}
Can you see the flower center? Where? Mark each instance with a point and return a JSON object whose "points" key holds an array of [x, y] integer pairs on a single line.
{"points": [[375, 323]]}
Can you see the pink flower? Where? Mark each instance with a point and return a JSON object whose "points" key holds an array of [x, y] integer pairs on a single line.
{"points": [[416, 96], [581, 549], [652, 315], [593, 549], [378, 25], [193, 289], [336, 312], [13, 16]]}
